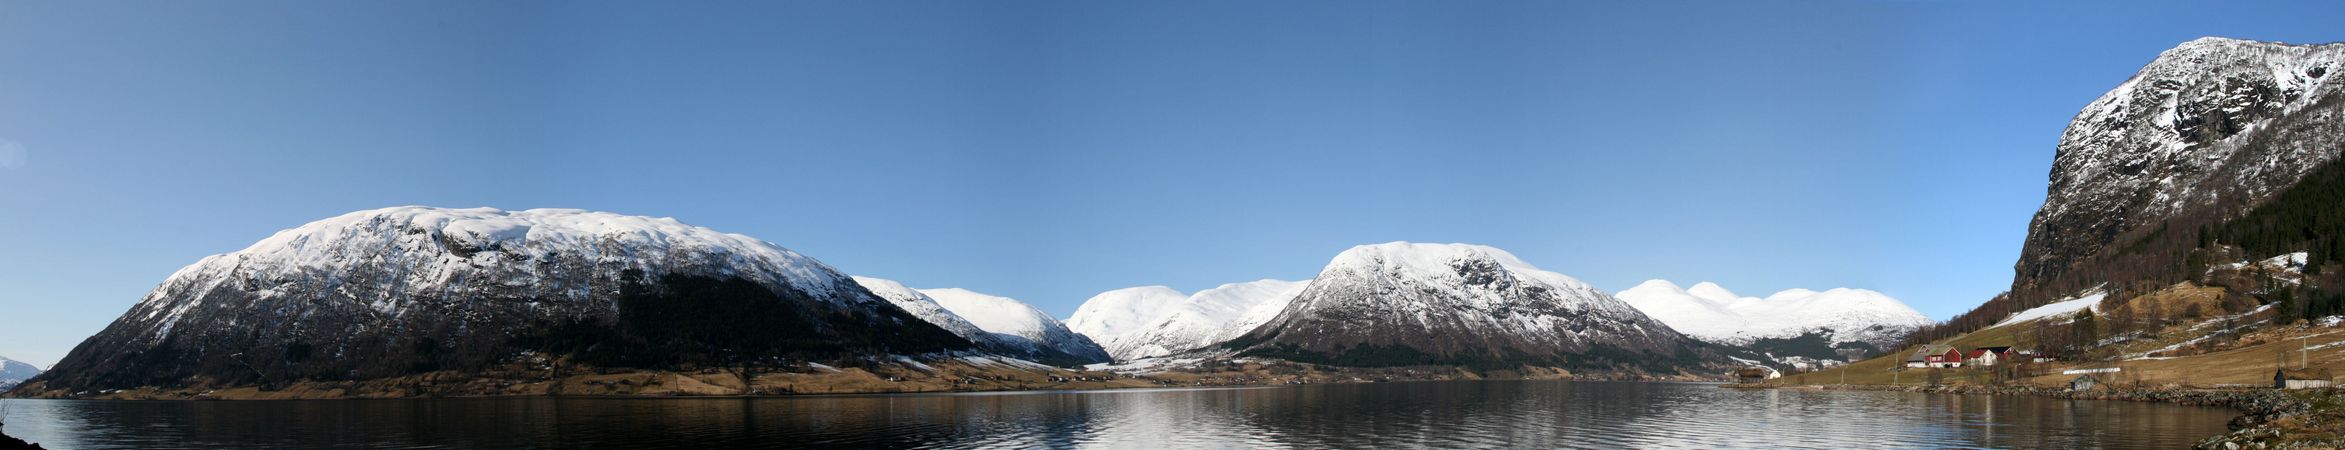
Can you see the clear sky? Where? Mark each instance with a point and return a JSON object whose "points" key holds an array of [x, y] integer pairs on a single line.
{"points": [[1051, 150]]}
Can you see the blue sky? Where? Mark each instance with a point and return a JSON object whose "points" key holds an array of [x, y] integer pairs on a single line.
{"points": [[1051, 150]]}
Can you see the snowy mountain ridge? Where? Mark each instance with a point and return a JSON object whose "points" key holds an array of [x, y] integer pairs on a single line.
{"points": [[418, 289], [1007, 341], [13, 372], [1117, 312], [1196, 321], [1010, 317], [1404, 303], [1712, 313], [429, 249]]}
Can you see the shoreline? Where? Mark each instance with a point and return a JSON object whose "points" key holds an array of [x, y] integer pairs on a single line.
{"points": [[2269, 418]]}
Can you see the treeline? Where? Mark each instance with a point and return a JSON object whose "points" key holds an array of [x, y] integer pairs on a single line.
{"points": [[2307, 217]]}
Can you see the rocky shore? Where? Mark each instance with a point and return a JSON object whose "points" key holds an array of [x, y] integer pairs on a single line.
{"points": [[2269, 418]]}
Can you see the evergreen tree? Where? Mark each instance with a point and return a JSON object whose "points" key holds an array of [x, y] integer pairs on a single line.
{"points": [[2087, 333], [2285, 307]]}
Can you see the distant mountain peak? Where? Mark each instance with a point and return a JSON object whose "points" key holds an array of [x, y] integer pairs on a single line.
{"points": [[1435, 259], [1004, 315], [1712, 291], [13, 372], [1404, 303], [1200, 320], [1712, 313], [1124, 310]]}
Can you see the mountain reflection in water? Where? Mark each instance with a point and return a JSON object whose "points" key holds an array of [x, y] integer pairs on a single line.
{"points": [[1542, 414]]}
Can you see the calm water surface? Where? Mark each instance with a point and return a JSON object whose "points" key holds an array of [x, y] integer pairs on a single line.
{"points": [[1540, 414]]}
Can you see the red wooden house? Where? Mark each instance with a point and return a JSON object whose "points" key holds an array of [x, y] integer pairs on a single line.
{"points": [[1949, 358]]}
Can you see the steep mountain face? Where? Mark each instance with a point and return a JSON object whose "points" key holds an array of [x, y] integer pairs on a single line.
{"points": [[1122, 311], [1837, 318], [1006, 343], [1454, 304], [13, 372], [1016, 320], [406, 290], [2209, 128], [1209, 317]]}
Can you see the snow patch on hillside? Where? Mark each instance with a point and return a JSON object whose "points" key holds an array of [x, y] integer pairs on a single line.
{"points": [[2090, 300], [2292, 263]]}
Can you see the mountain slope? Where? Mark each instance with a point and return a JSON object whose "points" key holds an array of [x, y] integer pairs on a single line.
{"points": [[406, 290], [1206, 318], [1839, 316], [927, 308], [1109, 314], [13, 372], [2178, 167], [1008, 317], [1453, 304], [2206, 130]]}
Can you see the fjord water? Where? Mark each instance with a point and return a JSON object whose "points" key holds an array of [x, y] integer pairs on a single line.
{"points": [[1541, 414]]}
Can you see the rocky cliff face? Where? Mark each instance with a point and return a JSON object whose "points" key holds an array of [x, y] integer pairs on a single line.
{"points": [[408, 290], [2209, 128], [1452, 304]]}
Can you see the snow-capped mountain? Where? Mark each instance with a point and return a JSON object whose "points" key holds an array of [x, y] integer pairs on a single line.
{"points": [[1841, 316], [1209, 317], [403, 290], [1121, 311], [1408, 304], [13, 372], [2208, 128], [926, 308], [1010, 342], [1014, 319]]}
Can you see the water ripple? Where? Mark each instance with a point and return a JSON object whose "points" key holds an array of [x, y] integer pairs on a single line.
{"points": [[1485, 414]]}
